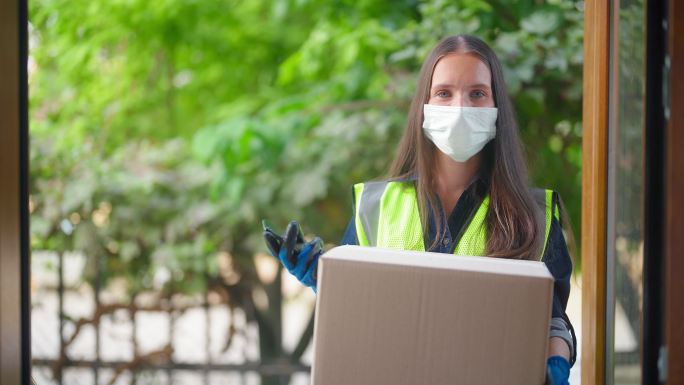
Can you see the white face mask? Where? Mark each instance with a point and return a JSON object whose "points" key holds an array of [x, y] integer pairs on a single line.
{"points": [[459, 132]]}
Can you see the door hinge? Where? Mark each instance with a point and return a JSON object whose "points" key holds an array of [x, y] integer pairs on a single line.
{"points": [[666, 87], [662, 364], [666, 78]]}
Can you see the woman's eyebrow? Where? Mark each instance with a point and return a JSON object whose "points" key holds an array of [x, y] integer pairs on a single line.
{"points": [[479, 85], [448, 85]]}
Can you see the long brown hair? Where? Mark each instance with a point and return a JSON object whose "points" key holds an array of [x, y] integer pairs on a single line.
{"points": [[513, 219]]}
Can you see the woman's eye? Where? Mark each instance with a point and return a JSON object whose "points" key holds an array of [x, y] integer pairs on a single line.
{"points": [[442, 94], [477, 94]]}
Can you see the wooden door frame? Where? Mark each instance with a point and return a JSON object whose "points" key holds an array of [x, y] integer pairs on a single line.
{"points": [[15, 355], [594, 195], [594, 188], [674, 204]]}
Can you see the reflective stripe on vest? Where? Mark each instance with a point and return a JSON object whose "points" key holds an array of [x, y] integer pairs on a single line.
{"points": [[387, 216]]}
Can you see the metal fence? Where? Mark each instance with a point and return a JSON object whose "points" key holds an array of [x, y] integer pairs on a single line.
{"points": [[83, 333]]}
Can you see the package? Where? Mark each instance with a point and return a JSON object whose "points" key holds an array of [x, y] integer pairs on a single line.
{"points": [[403, 317]]}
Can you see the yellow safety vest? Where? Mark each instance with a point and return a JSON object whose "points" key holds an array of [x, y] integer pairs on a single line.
{"points": [[387, 216]]}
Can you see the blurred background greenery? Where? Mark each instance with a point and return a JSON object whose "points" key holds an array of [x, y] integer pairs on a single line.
{"points": [[163, 132]]}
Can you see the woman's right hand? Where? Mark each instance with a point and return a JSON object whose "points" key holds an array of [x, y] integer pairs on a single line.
{"points": [[298, 257]]}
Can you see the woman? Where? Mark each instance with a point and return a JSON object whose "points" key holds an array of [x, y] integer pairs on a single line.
{"points": [[460, 154]]}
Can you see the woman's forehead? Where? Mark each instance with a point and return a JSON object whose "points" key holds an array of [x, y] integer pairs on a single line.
{"points": [[461, 69]]}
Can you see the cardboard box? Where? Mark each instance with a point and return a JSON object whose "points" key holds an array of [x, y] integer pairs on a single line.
{"points": [[403, 317]]}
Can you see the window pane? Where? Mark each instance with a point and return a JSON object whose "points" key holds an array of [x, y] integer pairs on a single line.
{"points": [[625, 254]]}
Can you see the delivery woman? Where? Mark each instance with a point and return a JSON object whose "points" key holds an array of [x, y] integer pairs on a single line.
{"points": [[458, 185]]}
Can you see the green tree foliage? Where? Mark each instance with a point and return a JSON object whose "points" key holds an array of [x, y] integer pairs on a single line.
{"points": [[353, 79], [163, 132]]}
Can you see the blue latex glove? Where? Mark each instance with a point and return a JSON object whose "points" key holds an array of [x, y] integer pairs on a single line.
{"points": [[557, 371], [298, 257]]}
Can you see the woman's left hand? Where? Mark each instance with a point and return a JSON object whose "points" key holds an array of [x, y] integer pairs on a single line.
{"points": [[557, 371]]}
